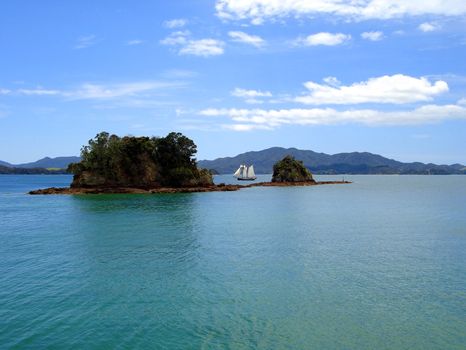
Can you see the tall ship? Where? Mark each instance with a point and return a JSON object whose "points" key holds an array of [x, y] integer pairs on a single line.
{"points": [[245, 173]]}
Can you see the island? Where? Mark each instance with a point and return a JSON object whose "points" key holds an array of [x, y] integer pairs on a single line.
{"points": [[291, 170], [129, 164]]}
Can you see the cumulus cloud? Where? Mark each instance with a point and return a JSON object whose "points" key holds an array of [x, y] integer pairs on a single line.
{"points": [[175, 23], [429, 27], [242, 37], [332, 81], [324, 38], [395, 89], [4, 91], [188, 46], [258, 11], [248, 119], [372, 36]]}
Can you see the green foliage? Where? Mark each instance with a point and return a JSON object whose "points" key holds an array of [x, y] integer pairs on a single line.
{"points": [[111, 160], [290, 170]]}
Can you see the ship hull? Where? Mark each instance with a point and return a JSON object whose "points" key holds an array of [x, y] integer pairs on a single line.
{"points": [[246, 179]]}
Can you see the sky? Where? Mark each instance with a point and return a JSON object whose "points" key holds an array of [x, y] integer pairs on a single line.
{"points": [[387, 77]]}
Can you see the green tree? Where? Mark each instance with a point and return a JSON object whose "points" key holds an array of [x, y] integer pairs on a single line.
{"points": [[139, 161]]}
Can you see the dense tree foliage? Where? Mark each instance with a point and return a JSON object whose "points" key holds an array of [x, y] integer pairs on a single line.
{"points": [[290, 170], [110, 160]]}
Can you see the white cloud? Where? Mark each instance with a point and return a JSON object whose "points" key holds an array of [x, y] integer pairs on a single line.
{"points": [[85, 42], [4, 91], [327, 39], [134, 42], [187, 46], [395, 89], [176, 38], [251, 96], [462, 102], [273, 118], [242, 37], [203, 47], [429, 27], [38, 92], [372, 36], [90, 91], [257, 11], [111, 91], [175, 23], [238, 92], [332, 81], [245, 127]]}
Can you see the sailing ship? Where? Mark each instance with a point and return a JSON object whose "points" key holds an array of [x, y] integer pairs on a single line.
{"points": [[245, 173]]}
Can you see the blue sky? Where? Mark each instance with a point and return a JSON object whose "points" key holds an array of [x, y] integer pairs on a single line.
{"points": [[332, 76]]}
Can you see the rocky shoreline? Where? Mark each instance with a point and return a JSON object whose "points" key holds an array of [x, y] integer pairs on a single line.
{"points": [[213, 188]]}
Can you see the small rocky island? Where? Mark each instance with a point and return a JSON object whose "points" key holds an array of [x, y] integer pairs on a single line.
{"points": [[113, 164], [291, 170]]}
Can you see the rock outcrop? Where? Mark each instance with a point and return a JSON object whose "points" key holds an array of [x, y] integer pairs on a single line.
{"points": [[291, 170]]}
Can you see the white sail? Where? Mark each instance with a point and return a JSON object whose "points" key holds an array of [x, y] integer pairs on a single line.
{"points": [[251, 172], [244, 173]]}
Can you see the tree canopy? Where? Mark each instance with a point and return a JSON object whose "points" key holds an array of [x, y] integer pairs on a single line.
{"points": [[110, 160], [290, 170]]}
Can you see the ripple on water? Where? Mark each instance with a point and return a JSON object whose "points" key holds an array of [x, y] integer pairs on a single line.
{"points": [[380, 263]]}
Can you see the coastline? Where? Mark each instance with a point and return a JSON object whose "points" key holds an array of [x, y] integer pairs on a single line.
{"points": [[214, 188]]}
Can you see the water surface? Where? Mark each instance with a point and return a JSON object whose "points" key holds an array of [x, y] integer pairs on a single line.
{"points": [[377, 264]]}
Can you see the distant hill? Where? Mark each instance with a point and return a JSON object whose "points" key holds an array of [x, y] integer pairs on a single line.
{"points": [[29, 171], [322, 163], [318, 163], [47, 162]]}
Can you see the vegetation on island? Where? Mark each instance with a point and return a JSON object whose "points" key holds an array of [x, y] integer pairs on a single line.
{"points": [[139, 162], [291, 170]]}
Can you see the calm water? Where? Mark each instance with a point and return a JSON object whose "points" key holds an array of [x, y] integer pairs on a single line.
{"points": [[378, 264]]}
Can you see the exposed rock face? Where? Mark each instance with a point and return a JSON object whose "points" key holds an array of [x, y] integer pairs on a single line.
{"points": [[133, 190], [211, 188], [87, 179], [291, 170]]}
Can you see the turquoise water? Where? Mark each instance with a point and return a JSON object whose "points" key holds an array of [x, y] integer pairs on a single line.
{"points": [[377, 264]]}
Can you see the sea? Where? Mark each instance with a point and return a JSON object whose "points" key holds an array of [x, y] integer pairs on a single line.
{"points": [[376, 264]]}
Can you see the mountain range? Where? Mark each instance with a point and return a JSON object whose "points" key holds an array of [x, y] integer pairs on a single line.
{"points": [[318, 163], [45, 163], [322, 163]]}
